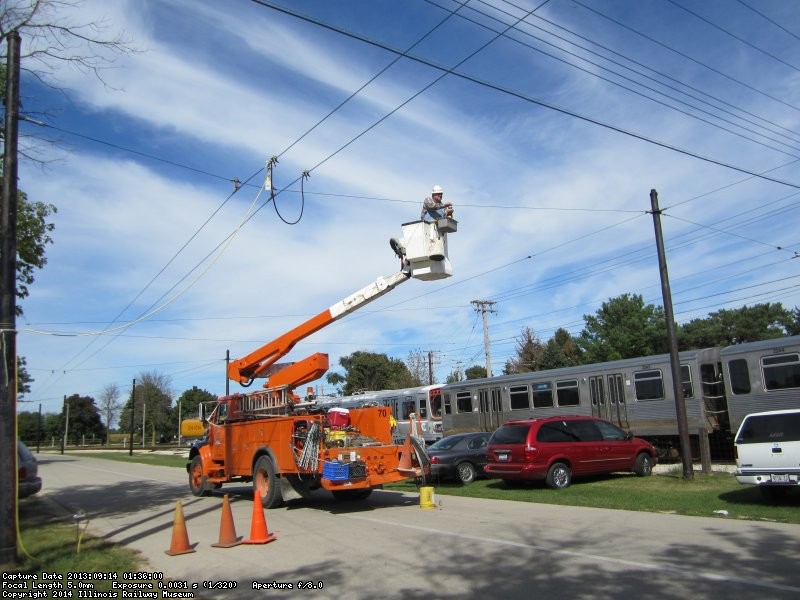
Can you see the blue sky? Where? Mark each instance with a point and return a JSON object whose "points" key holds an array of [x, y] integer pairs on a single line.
{"points": [[547, 139]]}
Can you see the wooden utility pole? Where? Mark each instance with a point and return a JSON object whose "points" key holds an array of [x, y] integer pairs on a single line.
{"points": [[8, 311], [485, 306], [672, 342]]}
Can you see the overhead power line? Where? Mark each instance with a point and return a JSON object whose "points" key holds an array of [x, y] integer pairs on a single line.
{"points": [[519, 95]]}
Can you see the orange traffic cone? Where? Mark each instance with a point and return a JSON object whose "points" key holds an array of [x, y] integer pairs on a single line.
{"points": [[227, 530], [180, 538], [258, 528], [405, 466]]}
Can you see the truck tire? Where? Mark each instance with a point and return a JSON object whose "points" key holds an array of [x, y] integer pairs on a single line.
{"points": [[265, 483], [197, 481]]}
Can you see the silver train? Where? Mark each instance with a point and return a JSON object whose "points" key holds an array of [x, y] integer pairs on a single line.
{"points": [[720, 386], [417, 410]]}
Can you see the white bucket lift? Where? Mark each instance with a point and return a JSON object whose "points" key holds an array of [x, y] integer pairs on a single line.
{"points": [[423, 248]]}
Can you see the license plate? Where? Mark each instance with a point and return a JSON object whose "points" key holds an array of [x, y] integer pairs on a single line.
{"points": [[782, 478], [502, 457]]}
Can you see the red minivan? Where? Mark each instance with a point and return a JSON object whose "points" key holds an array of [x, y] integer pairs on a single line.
{"points": [[557, 448]]}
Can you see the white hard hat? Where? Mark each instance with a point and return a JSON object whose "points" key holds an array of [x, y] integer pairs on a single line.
{"points": [[437, 189]]}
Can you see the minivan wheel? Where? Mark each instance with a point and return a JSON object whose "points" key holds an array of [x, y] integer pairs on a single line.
{"points": [[644, 465], [559, 476]]}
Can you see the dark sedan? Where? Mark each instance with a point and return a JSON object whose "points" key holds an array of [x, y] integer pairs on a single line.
{"points": [[460, 456], [28, 472]]}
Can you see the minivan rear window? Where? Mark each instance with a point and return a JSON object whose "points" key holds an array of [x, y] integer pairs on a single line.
{"points": [[759, 429], [510, 434]]}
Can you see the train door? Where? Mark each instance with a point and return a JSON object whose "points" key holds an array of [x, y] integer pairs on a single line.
{"points": [[616, 400], [490, 409], [597, 393]]}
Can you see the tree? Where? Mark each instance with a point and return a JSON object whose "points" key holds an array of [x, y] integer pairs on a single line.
{"points": [[53, 38], [24, 380], [84, 420], [735, 326], [371, 371], [33, 236], [475, 372], [190, 400], [110, 405], [623, 327], [152, 406], [417, 365], [529, 353], [454, 376]]}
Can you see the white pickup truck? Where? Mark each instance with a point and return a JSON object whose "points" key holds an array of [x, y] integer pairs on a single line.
{"points": [[768, 451]]}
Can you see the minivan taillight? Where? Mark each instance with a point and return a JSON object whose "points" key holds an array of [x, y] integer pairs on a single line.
{"points": [[531, 452]]}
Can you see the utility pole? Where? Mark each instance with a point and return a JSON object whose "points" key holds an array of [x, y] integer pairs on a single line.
{"points": [[485, 306], [672, 342], [133, 410], [8, 310]]}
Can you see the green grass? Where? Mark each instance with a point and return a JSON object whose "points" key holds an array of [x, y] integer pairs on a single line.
{"points": [[149, 458], [663, 493], [49, 543]]}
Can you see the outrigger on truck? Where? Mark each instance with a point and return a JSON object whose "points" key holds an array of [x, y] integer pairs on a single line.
{"points": [[287, 447]]}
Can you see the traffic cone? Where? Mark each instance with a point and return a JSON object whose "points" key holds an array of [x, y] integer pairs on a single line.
{"points": [[405, 466], [258, 528], [180, 538], [227, 530]]}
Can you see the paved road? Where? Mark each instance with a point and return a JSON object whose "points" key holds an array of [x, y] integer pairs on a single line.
{"points": [[389, 547]]}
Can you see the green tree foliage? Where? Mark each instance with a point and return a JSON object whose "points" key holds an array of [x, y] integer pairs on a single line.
{"points": [[371, 371], [50, 431], [190, 400], [24, 379], [560, 351], [84, 420], [735, 326], [475, 372], [624, 327], [33, 236], [530, 351], [153, 416]]}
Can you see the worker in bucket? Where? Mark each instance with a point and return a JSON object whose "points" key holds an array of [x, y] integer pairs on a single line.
{"points": [[433, 208]]}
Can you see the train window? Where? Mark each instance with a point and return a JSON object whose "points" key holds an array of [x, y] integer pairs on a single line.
{"points": [[542, 394], [423, 408], [408, 408], [567, 393], [781, 372], [518, 397], [649, 385], [739, 376], [464, 402], [446, 403], [686, 380], [435, 399]]}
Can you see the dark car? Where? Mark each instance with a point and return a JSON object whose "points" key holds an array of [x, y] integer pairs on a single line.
{"points": [[557, 448], [27, 472], [460, 456]]}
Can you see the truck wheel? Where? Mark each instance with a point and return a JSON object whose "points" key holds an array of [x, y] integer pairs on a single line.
{"points": [[197, 481], [265, 483]]}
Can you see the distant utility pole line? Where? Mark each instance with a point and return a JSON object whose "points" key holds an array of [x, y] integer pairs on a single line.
{"points": [[484, 307]]}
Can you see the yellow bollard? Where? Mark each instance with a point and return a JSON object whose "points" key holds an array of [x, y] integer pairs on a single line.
{"points": [[426, 497]]}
